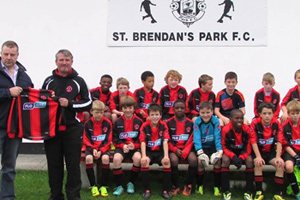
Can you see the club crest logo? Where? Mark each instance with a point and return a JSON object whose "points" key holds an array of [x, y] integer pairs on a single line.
{"points": [[69, 89], [188, 11]]}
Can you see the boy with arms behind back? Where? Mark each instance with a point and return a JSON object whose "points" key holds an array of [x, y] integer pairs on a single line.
{"points": [[145, 95]]}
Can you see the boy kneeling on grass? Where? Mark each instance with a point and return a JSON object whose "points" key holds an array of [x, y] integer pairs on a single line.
{"points": [[291, 156], [97, 138], [207, 141], [154, 146], [237, 150], [267, 147]]}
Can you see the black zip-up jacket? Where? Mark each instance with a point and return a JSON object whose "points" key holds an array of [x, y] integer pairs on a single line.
{"points": [[23, 81], [73, 88]]}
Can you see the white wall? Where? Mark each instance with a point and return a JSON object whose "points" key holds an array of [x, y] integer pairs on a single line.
{"points": [[42, 27]]}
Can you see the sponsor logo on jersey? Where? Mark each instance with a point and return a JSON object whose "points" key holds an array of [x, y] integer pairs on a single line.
{"points": [[182, 137], [145, 105], [208, 138], [240, 146], [152, 144], [37, 104], [131, 134], [169, 104], [266, 142], [295, 142], [99, 138]]}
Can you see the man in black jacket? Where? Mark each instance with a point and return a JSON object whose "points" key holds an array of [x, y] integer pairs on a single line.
{"points": [[13, 79], [73, 96]]}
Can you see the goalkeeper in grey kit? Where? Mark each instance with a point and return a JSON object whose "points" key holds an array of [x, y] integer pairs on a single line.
{"points": [[207, 141]]}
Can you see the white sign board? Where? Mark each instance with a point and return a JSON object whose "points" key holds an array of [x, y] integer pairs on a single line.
{"points": [[187, 23]]}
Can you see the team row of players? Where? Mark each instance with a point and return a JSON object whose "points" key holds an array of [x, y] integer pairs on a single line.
{"points": [[181, 138], [225, 101]]}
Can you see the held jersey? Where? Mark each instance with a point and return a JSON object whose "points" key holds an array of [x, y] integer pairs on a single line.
{"points": [[167, 97], [154, 137], [97, 135], [144, 99], [207, 135], [266, 136], [235, 143], [33, 115], [273, 98], [196, 97], [127, 131], [227, 102], [181, 135]]}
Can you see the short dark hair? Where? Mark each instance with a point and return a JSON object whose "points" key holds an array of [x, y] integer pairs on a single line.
{"points": [[106, 76], [203, 79], [127, 101], [10, 44], [146, 74], [263, 105], [231, 75], [235, 111], [154, 107], [206, 104], [179, 101]]}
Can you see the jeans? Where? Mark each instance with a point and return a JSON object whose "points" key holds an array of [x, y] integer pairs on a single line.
{"points": [[9, 149]]}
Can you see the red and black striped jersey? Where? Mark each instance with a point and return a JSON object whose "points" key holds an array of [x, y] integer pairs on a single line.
{"points": [[167, 97], [266, 136], [227, 102], [293, 94], [98, 135], [291, 135], [144, 98], [274, 98], [235, 143], [115, 100], [196, 97], [33, 115], [98, 94], [181, 135], [127, 131], [154, 137]]}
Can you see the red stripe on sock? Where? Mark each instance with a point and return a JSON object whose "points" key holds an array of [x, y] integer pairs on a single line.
{"points": [[279, 180], [167, 169], [135, 168], [105, 166], [258, 179], [89, 166], [200, 173], [249, 170], [217, 170], [145, 169], [224, 169], [117, 171]]}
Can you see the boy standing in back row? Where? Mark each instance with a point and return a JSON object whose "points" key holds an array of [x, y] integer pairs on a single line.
{"points": [[145, 95], [229, 99], [267, 94]]}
